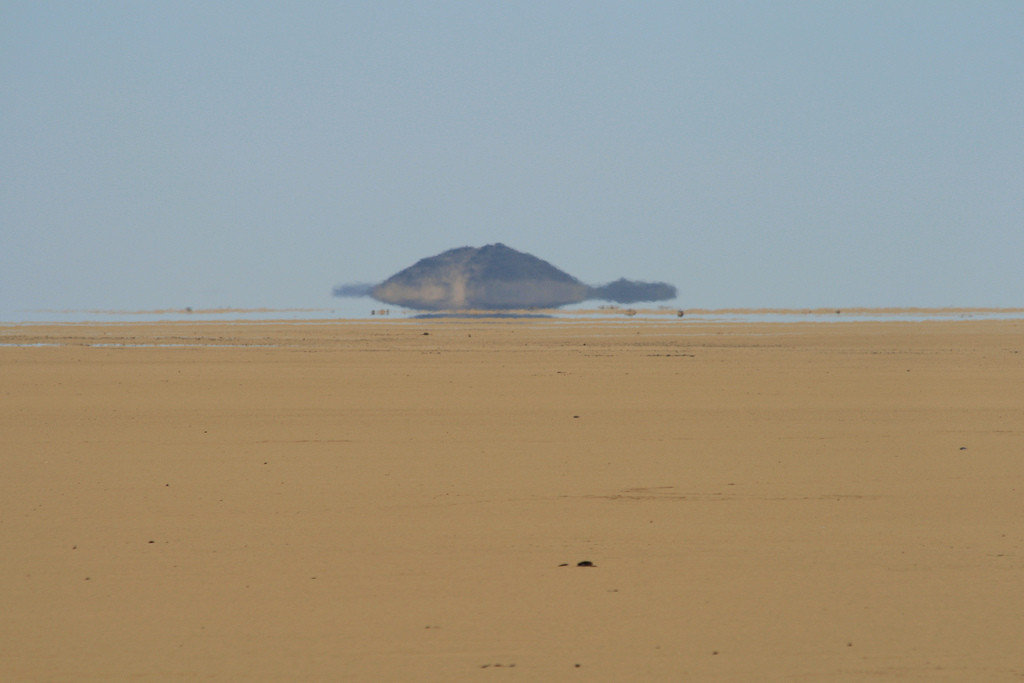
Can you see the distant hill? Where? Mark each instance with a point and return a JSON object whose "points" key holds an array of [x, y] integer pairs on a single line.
{"points": [[626, 291], [496, 277]]}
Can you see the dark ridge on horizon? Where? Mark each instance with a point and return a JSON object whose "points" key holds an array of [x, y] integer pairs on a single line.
{"points": [[625, 291], [353, 290], [496, 277]]}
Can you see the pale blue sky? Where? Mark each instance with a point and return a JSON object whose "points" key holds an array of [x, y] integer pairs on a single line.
{"points": [[178, 153]]}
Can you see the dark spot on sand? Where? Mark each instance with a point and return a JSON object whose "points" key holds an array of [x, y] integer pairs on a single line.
{"points": [[585, 563]]}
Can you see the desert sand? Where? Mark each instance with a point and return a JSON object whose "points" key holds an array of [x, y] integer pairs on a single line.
{"points": [[410, 500]]}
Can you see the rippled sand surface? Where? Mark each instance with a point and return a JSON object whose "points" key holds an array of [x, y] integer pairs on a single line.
{"points": [[412, 499]]}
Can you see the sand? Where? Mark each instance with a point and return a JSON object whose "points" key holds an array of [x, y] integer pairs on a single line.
{"points": [[409, 500]]}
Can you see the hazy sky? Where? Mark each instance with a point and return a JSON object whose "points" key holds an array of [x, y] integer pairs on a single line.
{"points": [[774, 153]]}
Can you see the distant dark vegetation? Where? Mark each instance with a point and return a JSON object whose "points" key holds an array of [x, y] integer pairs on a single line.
{"points": [[496, 277]]}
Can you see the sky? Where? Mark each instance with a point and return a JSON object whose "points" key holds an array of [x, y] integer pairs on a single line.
{"points": [[754, 154]]}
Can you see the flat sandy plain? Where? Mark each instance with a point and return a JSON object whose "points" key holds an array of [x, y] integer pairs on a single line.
{"points": [[409, 500]]}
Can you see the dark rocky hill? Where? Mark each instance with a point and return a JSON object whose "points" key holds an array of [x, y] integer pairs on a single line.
{"points": [[497, 277], [626, 291]]}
